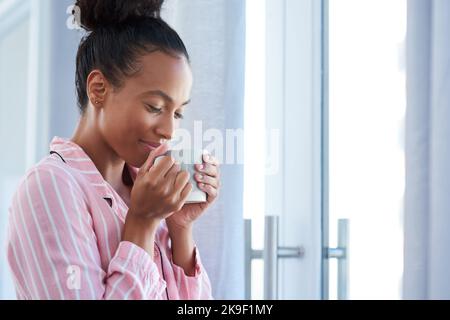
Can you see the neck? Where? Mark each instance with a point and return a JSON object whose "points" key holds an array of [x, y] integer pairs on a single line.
{"points": [[108, 163]]}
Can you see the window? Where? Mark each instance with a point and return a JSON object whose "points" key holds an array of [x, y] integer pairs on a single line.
{"points": [[282, 170], [367, 105]]}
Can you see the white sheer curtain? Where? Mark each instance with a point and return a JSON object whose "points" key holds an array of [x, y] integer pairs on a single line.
{"points": [[214, 33], [427, 202]]}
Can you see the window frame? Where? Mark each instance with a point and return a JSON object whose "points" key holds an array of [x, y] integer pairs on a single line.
{"points": [[295, 41]]}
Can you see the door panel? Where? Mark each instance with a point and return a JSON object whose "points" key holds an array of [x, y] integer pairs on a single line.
{"points": [[367, 104]]}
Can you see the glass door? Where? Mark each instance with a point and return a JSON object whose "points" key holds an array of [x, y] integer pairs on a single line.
{"points": [[283, 155], [365, 147]]}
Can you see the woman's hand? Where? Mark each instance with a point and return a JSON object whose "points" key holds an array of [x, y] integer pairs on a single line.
{"points": [[208, 180], [159, 190]]}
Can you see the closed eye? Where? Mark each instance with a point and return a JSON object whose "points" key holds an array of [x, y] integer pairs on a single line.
{"points": [[154, 109], [178, 115]]}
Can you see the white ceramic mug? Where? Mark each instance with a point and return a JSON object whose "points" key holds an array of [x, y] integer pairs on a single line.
{"points": [[188, 158]]}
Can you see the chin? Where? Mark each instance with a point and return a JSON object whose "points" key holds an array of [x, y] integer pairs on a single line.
{"points": [[138, 158]]}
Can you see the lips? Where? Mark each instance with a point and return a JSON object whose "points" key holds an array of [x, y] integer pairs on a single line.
{"points": [[150, 145]]}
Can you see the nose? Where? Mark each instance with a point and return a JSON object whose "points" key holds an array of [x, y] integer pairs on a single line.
{"points": [[165, 127]]}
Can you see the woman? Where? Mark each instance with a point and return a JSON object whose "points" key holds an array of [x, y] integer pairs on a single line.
{"points": [[96, 219]]}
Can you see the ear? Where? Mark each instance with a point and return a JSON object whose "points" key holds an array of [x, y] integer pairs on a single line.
{"points": [[97, 88]]}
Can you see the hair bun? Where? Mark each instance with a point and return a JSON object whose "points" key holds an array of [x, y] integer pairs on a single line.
{"points": [[95, 14]]}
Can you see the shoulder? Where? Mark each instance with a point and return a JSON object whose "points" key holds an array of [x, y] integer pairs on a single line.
{"points": [[48, 200], [47, 179], [54, 170]]}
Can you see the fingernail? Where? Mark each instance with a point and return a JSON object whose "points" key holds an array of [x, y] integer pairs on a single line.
{"points": [[200, 177]]}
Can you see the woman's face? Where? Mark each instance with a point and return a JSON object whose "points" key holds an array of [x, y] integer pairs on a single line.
{"points": [[147, 108]]}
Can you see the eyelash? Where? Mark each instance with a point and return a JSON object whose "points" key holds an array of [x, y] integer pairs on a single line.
{"points": [[156, 110]]}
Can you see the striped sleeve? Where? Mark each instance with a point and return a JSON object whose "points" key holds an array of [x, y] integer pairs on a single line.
{"points": [[52, 246], [197, 287]]}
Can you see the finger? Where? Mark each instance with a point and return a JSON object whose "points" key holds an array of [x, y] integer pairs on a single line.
{"points": [[210, 159], [201, 178], [210, 191], [171, 174], [208, 169], [162, 149], [181, 180], [167, 182], [162, 167], [185, 192]]}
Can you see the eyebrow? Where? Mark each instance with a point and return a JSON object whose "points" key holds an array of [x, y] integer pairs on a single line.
{"points": [[164, 95]]}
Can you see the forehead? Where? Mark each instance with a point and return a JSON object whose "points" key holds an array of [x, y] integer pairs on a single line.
{"points": [[160, 71]]}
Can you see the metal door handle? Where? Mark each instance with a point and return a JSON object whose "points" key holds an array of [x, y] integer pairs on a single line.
{"points": [[341, 254], [271, 253]]}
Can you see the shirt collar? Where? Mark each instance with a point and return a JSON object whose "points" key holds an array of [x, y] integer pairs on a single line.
{"points": [[77, 159]]}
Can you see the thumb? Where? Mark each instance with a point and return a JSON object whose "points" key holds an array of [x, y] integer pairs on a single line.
{"points": [[161, 150]]}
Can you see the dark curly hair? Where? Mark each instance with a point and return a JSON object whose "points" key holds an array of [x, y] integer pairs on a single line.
{"points": [[118, 33]]}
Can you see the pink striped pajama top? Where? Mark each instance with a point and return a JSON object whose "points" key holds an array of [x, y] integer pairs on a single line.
{"points": [[64, 238]]}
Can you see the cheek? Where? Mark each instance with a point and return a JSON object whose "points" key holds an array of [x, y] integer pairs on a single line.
{"points": [[118, 122], [133, 126], [142, 122]]}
